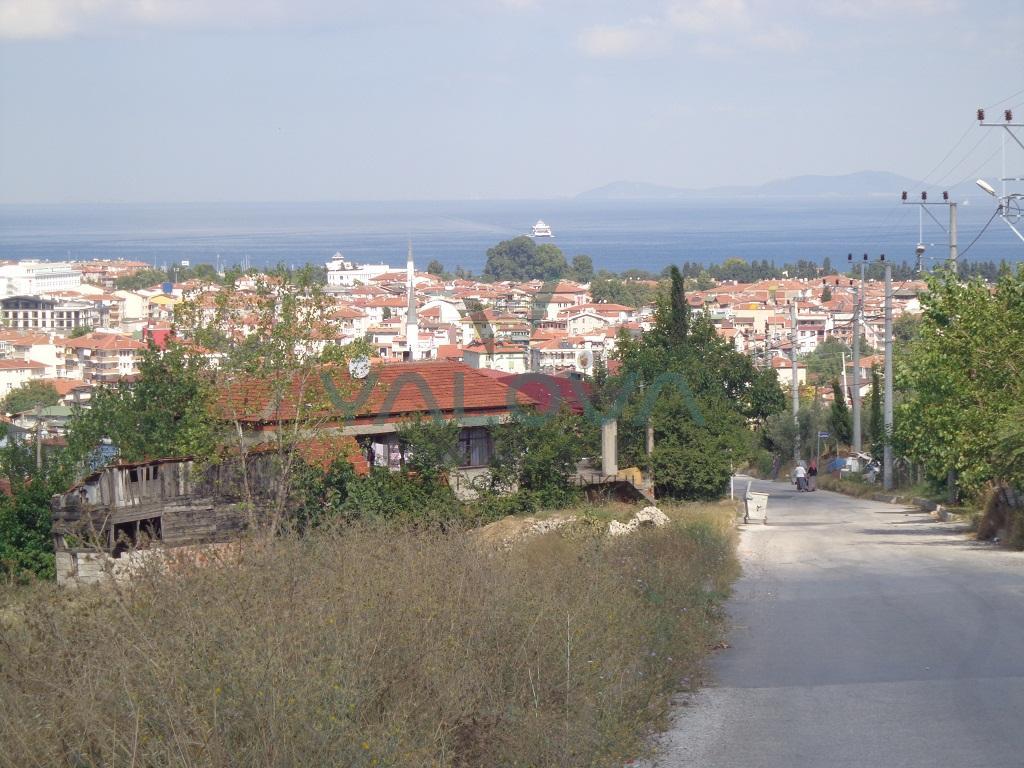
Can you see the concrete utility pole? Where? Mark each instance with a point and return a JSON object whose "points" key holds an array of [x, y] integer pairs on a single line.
{"points": [[887, 478], [857, 316], [39, 437], [796, 381], [952, 235], [922, 206]]}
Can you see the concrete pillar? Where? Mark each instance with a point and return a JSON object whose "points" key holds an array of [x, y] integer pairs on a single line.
{"points": [[650, 438], [609, 447]]}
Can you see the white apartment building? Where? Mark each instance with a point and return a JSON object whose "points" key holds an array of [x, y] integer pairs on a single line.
{"points": [[40, 313], [31, 278], [342, 273]]}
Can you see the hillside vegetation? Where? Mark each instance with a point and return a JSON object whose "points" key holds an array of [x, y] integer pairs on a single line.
{"points": [[368, 647]]}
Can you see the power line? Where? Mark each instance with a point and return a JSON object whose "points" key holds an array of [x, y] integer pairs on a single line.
{"points": [[970, 127], [990, 220], [1003, 101], [975, 172], [964, 159]]}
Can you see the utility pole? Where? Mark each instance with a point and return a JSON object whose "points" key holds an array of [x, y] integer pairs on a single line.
{"points": [[39, 437], [887, 478], [796, 381], [950, 230], [1009, 204], [952, 236], [858, 312]]}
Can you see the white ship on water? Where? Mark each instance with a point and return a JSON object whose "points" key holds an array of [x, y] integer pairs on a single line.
{"points": [[540, 229]]}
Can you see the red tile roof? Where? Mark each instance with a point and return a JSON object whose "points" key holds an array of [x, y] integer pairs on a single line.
{"points": [[20, 365], [391, 393]]}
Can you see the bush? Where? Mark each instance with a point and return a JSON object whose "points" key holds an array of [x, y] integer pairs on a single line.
{"points": [[367, 648], [689, 472]]}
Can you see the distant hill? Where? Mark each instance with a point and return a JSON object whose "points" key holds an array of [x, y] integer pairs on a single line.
{"points": [[860, 184]]}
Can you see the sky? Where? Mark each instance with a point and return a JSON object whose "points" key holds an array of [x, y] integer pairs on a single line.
{"points": [[296, 100]]}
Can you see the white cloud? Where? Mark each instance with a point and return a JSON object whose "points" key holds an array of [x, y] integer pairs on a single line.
{"points": [[619, 41], [708, 15], [875, 9], [64, 18], [778, 37]]}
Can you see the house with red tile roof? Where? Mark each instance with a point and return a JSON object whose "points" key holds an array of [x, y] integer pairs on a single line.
{"points": [[15, 373], [497, 355], [101, 357], [371, 410]]}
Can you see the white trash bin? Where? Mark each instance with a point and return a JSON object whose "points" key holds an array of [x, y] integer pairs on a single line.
{"points": [[755, 505]]}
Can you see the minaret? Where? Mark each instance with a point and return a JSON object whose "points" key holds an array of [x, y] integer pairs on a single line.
{"points": [[412, 326]]}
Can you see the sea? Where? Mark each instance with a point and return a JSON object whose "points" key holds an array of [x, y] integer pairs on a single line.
{"points": [[616, 234]]}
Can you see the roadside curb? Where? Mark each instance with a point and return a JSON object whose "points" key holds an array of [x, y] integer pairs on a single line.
{"points": [[941, 513]]}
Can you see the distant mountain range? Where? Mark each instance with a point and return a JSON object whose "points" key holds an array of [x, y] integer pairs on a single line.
{"points": [[860, 184]]}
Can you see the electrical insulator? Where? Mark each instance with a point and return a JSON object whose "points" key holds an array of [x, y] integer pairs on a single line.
{"points": [[849, 257], [882, 257], [924, 195], [981, 115], [903, 197], [1008, 114], [945, 195], [865, 257]]}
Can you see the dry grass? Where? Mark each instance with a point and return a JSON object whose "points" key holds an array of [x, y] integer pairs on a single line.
{"points": [[367, 647], [856, 488]]}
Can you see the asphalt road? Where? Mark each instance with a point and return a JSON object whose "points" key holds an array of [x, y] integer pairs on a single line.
{"points": [[862, 635]]}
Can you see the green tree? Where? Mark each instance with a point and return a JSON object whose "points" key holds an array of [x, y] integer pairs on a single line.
{"points": [[840, 421], [535, 456], [26, 544], [697, 393], [166, 413], [826, 294], [582, 269], [28, 396], [435, 267], [146, 278], [80, 331], [272, 344], [960, 380], [631, 293], [766, 395], [876, 425], [522, 259], [826, 361]]}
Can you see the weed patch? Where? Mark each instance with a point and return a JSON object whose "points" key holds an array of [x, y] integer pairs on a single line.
{"points": [[364, 646]]}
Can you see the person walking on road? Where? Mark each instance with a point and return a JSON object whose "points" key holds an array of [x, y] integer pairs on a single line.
{"points": [[812, 477], [801, 477]]}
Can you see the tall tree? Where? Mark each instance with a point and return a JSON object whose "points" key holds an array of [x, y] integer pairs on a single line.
{"points": [[876, 426], [271, 344], [522, 259], [961, 380], [696, 392], [166, 413], [840, 421], [582, 269]]}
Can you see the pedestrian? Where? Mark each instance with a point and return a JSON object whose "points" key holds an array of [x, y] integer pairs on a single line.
{"points": [[801, 477], [776, 466], [812, 477]]}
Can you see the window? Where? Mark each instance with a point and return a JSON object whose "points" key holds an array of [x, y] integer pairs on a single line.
{"points": [[474, 447], [137, 534]]}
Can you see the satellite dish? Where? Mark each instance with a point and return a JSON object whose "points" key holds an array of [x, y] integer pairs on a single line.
{"points": [[359, 367]]}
